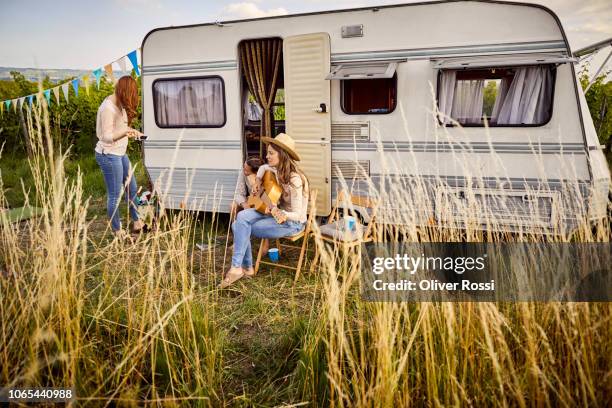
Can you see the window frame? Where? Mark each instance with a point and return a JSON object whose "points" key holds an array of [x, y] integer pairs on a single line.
{"points": [[190, 126], [482, 125], [394, 77]]}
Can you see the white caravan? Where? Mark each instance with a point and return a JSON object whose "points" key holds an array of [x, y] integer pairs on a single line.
{"points": [[358, 89]]}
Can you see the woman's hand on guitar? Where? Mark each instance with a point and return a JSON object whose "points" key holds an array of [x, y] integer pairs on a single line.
{"points": [[278, 215], [256, 186]]}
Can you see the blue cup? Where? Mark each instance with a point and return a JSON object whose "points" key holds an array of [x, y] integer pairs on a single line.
{"points": [[273, 254], [350, 223]]}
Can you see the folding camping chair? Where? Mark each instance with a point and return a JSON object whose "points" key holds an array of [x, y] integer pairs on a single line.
{"points": [[335, 231], [304, 235]]}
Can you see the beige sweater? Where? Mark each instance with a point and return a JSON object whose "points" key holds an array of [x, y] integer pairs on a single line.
{"points": [[110, 123], [294, 200]]}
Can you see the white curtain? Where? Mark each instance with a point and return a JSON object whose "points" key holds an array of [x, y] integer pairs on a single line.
{"points": [[446, 94], [502, 91], [467, 103], [529, 97], [189, 102]]}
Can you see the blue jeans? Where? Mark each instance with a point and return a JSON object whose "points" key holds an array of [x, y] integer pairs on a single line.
{"points": [[249, 223], [116, 170]]}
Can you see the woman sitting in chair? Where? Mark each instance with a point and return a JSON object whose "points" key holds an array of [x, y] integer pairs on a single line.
{"points": [[291, 210]]}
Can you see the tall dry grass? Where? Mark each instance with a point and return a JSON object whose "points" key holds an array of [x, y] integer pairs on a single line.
{"points": [[388, 354], [127, 323], [119, 320]]}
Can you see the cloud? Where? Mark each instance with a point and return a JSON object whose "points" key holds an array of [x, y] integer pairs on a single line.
{"points": [[249, 10]]}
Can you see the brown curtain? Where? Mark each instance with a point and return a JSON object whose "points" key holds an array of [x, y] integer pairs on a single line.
{"points": [[260, 60]]}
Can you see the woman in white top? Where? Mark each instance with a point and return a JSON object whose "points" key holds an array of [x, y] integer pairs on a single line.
{"points": [[115, 114]]}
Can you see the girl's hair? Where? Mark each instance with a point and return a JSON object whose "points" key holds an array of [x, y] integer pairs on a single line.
{"points": [[254, 163], [286, 166], [126, 92]]}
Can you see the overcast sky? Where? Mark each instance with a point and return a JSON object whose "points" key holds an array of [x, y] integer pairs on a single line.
{"points": [[87, 34]]}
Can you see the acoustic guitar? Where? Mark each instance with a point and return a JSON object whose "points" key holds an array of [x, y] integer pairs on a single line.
{"points": [[268, 196]]}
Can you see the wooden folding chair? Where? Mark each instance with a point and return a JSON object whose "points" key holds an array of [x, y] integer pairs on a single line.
{"points": [[304, 235], [334, 232]]}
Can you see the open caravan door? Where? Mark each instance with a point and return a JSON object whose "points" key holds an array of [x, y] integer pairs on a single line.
{"points": [[307, 103]]}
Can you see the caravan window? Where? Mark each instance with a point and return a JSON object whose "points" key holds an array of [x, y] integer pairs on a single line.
{"points": [[513, 96], [369, 96], [189, 102]]}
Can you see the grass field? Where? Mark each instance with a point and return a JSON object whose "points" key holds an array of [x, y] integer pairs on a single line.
{"points": [[141, 323]]}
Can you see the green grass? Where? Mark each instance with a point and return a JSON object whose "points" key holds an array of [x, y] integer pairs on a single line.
{"points": [[15, 172]]}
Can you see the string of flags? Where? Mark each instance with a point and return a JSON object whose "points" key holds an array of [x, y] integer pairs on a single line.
{"points": [[75, 84]]}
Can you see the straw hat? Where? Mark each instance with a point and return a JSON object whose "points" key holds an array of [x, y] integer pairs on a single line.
{"points": [[285, 142]]}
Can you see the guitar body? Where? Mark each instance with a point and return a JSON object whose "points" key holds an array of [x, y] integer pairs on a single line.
{"points": [[271, 193]]}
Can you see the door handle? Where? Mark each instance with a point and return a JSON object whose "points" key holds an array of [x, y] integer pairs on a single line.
{"points": [[321, 109]]}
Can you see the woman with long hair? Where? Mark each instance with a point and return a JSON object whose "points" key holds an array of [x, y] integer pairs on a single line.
{"points": [[292, 207], [113, 121]]}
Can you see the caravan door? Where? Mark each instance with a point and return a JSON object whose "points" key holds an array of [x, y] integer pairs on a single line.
{"points": [[307, 104]]}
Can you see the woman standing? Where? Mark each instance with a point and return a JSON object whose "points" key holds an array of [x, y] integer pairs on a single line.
{"points": [[114, 117], [293, 205]]}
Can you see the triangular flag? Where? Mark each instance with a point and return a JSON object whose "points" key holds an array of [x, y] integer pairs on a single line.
{"points": [[75, 86], [1, 108], [21, 102], [121, 62], [15, 105], [8, 104], [85, 80], [66, 90], [98, 74], [134, 60], [47, 93], [56, 94], [109, 72], [30, 97]]}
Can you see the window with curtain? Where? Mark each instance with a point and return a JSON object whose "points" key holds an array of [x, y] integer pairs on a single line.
{"points": [[189, 102], [369, 96], [512, 96]]}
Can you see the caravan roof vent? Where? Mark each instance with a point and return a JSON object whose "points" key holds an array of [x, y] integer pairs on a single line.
{"points": [[363, 70], [352, 31]]}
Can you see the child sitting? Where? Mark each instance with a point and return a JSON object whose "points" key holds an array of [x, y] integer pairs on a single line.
{"points": [[246, 181]]}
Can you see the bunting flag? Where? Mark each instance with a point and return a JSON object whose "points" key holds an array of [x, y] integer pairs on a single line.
{"points": [[134, 60], [109, 72], [134, 57], [75, 86], [85, 80], [1, 109], [98, 74], [56, 94], [66, 91], [121, 62], [47, 93]]}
